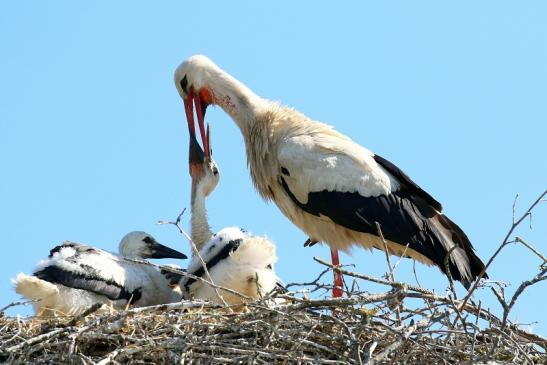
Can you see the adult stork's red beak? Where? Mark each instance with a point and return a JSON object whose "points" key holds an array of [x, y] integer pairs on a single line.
{"points": [[198, 100], [197, 155]]}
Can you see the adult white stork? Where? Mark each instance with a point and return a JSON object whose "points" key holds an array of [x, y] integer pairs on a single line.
{"points": [[76, 276], [329, 186], [234, 258]]}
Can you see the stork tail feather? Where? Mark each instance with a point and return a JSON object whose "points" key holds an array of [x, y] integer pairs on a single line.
{"points": [[32, 287], [464, 264]]}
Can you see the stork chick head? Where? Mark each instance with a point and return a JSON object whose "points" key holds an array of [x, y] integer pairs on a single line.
{"points": [[140, 244], [203, 169]]}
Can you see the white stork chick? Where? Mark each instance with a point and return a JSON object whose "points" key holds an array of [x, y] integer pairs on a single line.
{"points": [[76, 276], [329, 186], [234, 259], [205, 177]]}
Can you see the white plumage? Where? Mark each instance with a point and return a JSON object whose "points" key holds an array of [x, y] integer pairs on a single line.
{"points": [[329, 186], [76, 276], [235, 260]]}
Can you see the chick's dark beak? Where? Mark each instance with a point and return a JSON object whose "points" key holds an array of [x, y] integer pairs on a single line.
{"points": [[196, 156], [159, 251]]}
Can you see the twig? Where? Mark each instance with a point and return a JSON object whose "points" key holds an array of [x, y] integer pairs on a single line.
{"points": [[394, 284], [184, 273], [503, 244], [310, 283], [526, 244], [403, 255], [110, 357], [475, 327], [95, 307], [395, 345], [369, 351], [390, 275], [22, 302], [415, 274], [539, 277], [448, 272], [37, 339], [176, 223]]}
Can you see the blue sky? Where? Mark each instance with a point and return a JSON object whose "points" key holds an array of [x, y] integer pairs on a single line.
{"points": [[94, 136]]}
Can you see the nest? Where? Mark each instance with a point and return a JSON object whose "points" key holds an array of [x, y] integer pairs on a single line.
{"points": [[403, 325]]}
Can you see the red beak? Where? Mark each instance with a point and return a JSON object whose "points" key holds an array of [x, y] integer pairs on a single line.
{"points": [[194, 100], [197, 155]]}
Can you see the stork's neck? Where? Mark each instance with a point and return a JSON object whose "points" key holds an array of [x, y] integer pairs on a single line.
{"points": [[236, 99], [201, 232]]}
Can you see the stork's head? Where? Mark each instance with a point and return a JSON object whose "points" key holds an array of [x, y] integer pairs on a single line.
{"points": [[139, 244], [203, 169], [197, 73], [193, 80]]}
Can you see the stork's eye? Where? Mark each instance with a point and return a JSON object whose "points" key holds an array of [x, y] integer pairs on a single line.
{"points": [[285, 172], [184, 84], [148, 239], [215, 171], [269, 267]]}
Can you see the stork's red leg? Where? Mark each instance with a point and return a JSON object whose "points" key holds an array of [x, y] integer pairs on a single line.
{"points": [[337, 290]]}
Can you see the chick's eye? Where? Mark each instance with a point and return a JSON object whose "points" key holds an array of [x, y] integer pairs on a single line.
{"points": [[147, 239], [215, 171]]}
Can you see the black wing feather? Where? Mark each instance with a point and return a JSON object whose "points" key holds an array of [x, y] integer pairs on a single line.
{"points": [[172, 277], [406, 217], [87, 281], [407, 182], [231, 246]]}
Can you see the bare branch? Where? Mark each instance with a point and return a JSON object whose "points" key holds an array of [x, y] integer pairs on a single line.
{"points": [[527, 245], [390, 274], [14, 304], [503, 244], [393, 284], [448, 272], [539, 277], [195, 250]]}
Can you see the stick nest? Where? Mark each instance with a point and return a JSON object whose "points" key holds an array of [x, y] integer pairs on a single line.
{"points": [[405, 325], [396, 327]]}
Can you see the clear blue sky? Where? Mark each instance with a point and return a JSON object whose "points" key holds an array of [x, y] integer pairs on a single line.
{"points": [[94, 140]]}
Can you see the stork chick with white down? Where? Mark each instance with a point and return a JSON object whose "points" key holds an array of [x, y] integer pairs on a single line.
{"points": [[329, 186], [76, 276], [235, 259]]}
